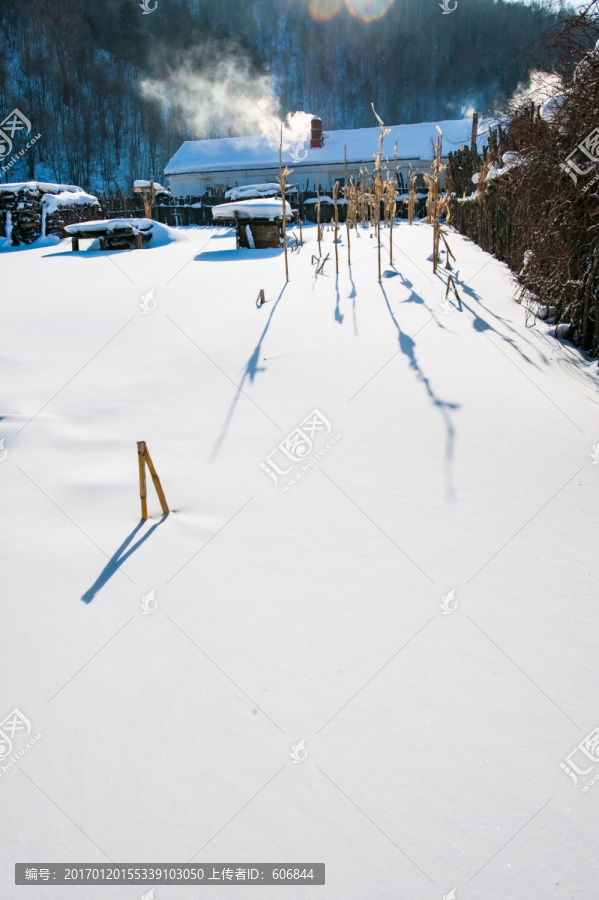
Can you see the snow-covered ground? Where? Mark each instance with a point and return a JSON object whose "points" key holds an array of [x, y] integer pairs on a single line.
{"points": [[451, 456]]}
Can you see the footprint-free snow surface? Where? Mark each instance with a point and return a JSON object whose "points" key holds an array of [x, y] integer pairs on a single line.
{"points": [[381, 551]]}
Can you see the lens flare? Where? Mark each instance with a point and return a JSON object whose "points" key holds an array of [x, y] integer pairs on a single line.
{"points": [[369, 10], [325, 10]]}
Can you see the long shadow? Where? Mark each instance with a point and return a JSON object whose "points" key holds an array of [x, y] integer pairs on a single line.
{"points": [[118, 558], [479, 324], [409, 285], [352, 297], [408, 348], [338, 313], [419, 300], [251, 370], [243, 254]]}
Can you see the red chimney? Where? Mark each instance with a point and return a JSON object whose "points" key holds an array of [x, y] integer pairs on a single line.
{"points": [[317, 137]]}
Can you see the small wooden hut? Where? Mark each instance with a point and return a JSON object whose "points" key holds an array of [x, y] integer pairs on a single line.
{"points": [[258, 222]]}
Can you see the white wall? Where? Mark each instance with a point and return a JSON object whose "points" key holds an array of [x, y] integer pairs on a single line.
{"points": [[198, 183]]}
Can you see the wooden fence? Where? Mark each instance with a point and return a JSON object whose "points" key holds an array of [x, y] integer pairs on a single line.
{"points": [[177, 211]]}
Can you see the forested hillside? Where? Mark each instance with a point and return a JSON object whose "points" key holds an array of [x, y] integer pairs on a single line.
{"points": [[113, 92]]}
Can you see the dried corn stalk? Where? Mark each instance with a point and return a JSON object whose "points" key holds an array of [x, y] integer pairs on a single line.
{"points": [[412, 198]]}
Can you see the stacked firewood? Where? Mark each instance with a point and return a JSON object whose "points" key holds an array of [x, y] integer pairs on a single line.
{"points": [[21, 213], [70, 215], [25, 214]]}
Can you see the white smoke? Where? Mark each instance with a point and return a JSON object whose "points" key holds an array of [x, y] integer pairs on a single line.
{"points": [[233, 101], [540, 88]]}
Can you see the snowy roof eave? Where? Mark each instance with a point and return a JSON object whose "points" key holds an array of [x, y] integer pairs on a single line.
{"points": [[243, 167]]}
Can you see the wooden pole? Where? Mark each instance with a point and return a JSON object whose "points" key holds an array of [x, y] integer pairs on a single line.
{"points": [[318, 215], [436, 223], [335, 197], [473, 146], [392, 201], [319, 271], [156, 480], [283, 177], [301, 233], [346, 193], [283, 184], [144, 459], [141, 449]]}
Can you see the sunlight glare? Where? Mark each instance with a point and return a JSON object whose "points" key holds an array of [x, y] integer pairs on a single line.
{"points": [[325, 10], [369, 10]]}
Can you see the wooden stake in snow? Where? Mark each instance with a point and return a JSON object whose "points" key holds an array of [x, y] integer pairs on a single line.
{"points": [[451, 283], [318, 215], [335, 198], [474, 133], [346, 192], [319, 270], [379, 184], [283, 173], [391, 188], [261, 298], [144, 459], [448, 253]]}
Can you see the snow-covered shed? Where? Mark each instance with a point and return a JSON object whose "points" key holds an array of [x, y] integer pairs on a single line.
{"points": [[217, 165]]}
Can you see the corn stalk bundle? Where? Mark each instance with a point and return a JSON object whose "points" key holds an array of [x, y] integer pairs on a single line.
{"points": [[412, 198]]}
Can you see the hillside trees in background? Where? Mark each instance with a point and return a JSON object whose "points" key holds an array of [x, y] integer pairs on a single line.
{"points": [[76, 69]]}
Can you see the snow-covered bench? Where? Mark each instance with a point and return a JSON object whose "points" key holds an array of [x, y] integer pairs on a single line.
{"points": [[113, 234]]}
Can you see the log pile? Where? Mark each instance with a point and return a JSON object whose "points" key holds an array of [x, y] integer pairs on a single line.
{"points": [[70, 215], [21, 214], [21, 211]]}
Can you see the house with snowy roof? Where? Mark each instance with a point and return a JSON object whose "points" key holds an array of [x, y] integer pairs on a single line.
{"points": [[217, 165]]}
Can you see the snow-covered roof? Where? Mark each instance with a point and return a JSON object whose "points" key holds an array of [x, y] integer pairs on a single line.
{"points": [[252, 209], [104, 226], [140, 184], [52, 201], [249, 191], [44, 187], [230, 154]]}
